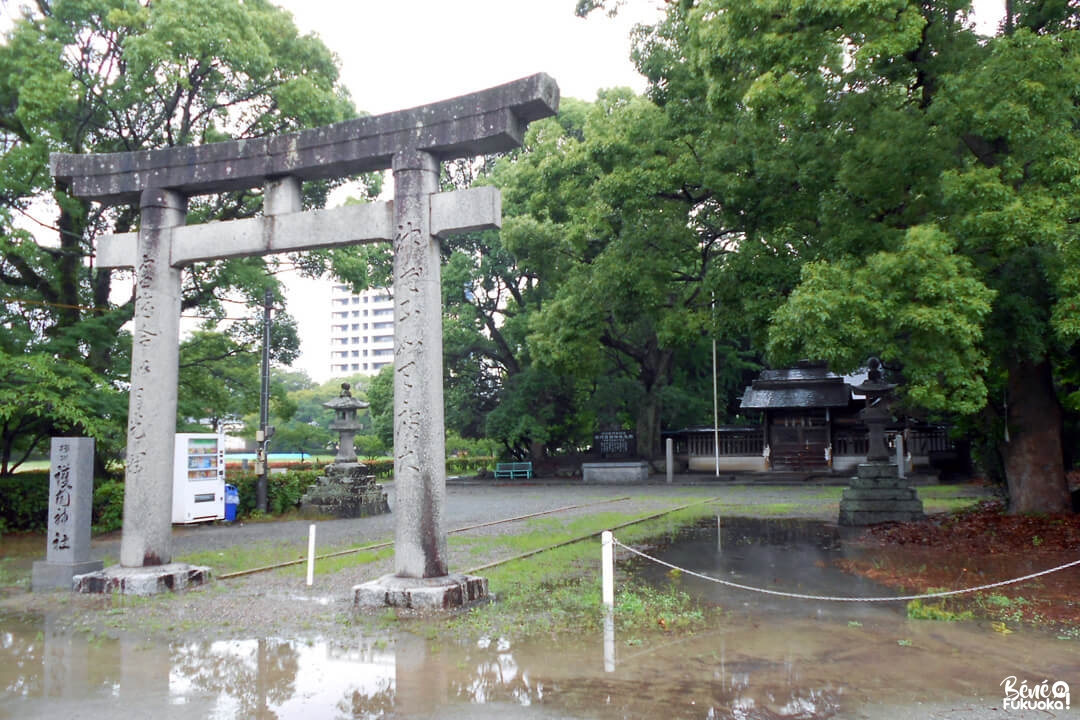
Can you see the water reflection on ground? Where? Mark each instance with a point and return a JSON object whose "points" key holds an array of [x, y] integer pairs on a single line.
{"points": [[784, 555], [769, 658]]}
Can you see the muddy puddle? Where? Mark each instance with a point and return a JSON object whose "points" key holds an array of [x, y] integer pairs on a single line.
{"points": [[791, 556], [768, 658]]}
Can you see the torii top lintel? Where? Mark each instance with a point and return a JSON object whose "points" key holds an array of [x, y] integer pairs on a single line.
{"points": [[487, 121]]}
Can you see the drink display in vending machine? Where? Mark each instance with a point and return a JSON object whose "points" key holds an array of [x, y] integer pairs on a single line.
{"points": [[199, 478]]}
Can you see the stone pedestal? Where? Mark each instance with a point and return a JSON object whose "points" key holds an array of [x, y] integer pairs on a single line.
{"points": [[421, 594], [346, 490], [59, 576], [878, 494], [628, 471], [147, 580]]}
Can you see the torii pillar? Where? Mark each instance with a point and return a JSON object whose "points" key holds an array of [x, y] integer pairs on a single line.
{"points": [[410, 142]]}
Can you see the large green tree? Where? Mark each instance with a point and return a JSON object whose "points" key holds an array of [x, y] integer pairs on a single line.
{"points": [[495, 388], [899, 186], [219, 371], [119, 75], [611, 214]]}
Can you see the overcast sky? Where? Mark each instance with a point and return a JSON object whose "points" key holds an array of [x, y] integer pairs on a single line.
{"points": [[397, 54]]}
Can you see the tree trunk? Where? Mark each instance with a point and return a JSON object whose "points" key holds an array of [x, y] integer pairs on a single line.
{"points": [[648, 427], [1034, 465], [537, 450]]}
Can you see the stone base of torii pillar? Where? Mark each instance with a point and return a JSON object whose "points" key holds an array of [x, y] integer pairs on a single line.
{"points": [[149, 580], [421, 594]]}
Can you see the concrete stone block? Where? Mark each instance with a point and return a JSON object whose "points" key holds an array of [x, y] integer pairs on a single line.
{"points": [[883, 494], [630, 471], [871, 517], [879, 482], [466, 211], [877, 470], [878, 494], [71, 498], [479, 123], [883, 505], [60, 576]]}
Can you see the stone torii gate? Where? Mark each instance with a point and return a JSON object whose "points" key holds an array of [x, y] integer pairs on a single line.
{"points": [[411, 143]]}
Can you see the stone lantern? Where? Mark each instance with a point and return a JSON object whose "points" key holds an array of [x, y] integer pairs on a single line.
{"points": [[876, 413], [877, 493], [346, 490], [346, 423]]}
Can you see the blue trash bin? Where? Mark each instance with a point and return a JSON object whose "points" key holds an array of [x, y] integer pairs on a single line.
{"points": [[232, 499]]}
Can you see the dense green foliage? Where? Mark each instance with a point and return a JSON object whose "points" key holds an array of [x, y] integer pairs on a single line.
{"points": [[24, 501], [883, 181], [85, 76]]}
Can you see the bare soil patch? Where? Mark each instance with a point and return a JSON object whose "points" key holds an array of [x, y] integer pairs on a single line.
{"points": [[981, 546]]}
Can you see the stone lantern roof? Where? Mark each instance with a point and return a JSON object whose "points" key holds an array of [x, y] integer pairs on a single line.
{"points": [[345, 407]]}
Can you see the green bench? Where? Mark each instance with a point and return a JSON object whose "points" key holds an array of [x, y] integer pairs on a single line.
{"points": [[513, 470]]}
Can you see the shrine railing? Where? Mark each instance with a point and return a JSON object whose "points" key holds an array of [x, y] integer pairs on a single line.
{"points": [[732, 444]]}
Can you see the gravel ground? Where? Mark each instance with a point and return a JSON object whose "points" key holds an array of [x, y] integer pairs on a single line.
{"points": [[280, 602]]}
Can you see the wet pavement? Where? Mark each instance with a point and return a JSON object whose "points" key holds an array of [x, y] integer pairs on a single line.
{"points": [[767, 658]]}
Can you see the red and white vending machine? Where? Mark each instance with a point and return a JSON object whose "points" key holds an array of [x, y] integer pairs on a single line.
{"points": [[199, 478]]}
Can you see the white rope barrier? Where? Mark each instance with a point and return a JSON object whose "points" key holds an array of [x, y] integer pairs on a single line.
{"points": [[800, 596]]}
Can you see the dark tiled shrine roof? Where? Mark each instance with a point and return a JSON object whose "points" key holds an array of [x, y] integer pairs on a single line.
{"points": [[798, 387]]}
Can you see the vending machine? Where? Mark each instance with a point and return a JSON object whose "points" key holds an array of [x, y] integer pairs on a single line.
{"points": [[199, 478]]}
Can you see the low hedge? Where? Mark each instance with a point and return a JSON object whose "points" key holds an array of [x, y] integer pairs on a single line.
{"points": [[283, 490], [24, 501], [468, 464]]}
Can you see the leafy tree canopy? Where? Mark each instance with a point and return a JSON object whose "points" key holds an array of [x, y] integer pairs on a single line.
{"points": [[119, 75], [903, 187]]}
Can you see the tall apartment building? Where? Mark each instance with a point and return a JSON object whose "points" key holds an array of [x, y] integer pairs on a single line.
{"points": [[361, 331]]}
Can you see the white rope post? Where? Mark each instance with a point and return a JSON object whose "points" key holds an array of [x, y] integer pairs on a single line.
{"points": [[609, 641], [607, 560], [311, 555]]}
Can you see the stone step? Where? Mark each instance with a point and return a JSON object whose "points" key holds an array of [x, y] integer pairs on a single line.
{"points": [[902, 494], [877, 470], [865, 517], [879, 482], [915, 506]]}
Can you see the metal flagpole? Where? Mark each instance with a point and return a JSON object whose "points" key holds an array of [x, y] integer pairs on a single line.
{"points": [[715, 402]]}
